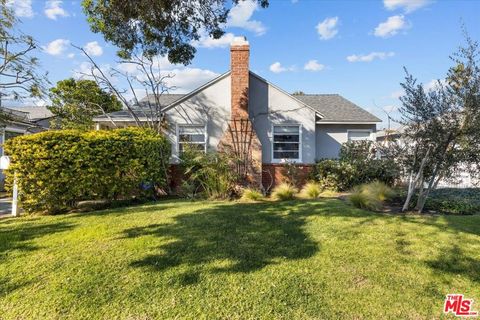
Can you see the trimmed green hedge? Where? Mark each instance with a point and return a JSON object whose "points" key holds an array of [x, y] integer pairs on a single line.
{"points": [[57, 169]]}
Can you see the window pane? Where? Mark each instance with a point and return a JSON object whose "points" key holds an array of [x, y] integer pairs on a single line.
{"points": [[199, 146], [192, 138], [358, 135], [286, 129], [191, 130], [286, 155], [286, 147], [286, 138]]}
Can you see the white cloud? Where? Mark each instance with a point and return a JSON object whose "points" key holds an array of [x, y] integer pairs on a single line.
{"points": [[397, 94], [93, 49], [327, 29], [407, 5], [391, 27], [188, 79], [370, 57], [53, 9], [21, 8], [71, 55], [239, 16], [434, 84], [56, 47], [208, 42], [313, 65], [276, 67]]}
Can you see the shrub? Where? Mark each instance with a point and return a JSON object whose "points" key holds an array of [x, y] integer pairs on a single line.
{"points": [[371, 196], [450, 201], [56, 169], [356, 166], [210, 173], [335, 174], [284, 191], [360, 199], [251, 195], [380, 190], [311, 190]]}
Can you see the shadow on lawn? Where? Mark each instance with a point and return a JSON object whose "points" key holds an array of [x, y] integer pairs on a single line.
{"points": [[455, 261], [239, 237], [19, 236]]}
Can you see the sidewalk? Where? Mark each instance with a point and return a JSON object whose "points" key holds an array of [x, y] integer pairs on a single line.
{"points": [[5, 207]]}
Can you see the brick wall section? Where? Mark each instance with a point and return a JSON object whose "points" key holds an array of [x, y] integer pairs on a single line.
{"points": [[239, 65], [273, 174]]}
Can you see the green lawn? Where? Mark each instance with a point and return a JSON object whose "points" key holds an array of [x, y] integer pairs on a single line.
{"points": [[178, 259]]}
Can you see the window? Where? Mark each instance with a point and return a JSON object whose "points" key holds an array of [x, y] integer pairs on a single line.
{"points": [[286, 142], [191, 135], [357, 135]]}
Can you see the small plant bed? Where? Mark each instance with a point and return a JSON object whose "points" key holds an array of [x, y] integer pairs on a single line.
{"points": [[458, 201]]}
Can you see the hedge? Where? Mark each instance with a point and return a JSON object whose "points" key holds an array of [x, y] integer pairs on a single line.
{"points": [[57, 169]]}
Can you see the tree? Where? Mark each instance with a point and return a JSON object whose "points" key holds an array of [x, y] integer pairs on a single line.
{"points": [[18, 67], [76, 102], [441, 125], [298, 93], [158, 27]]}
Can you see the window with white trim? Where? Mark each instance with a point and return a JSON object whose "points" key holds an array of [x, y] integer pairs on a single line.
{"points": [[359, 135], [286, 142], [192, 135]]}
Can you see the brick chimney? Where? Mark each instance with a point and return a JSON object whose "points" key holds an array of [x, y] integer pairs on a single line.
{"points": [[240, 138], [239, 73]]}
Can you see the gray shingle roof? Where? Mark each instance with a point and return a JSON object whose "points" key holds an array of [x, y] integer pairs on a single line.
{"points": [[34, 112], [336, 108], [165, 99]]}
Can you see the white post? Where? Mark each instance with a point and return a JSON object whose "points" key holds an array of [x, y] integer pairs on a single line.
{"points": [[15, 196]]}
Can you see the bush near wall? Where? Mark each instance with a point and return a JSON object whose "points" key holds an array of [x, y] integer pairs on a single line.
{"points": [[357, 165], [57, 169]]}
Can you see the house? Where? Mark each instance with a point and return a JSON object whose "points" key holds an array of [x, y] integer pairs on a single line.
{"points": [[40, 116], [462, 177], [17, 121], [257, 121]]}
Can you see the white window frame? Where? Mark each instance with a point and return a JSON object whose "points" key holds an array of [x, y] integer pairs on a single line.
{"points": [[370, 138], [177, 134], [300, 142]]}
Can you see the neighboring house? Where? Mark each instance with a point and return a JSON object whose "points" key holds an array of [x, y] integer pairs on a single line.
{"points": [[462, 178], [244, 112], [38, 115], [17, 121]]}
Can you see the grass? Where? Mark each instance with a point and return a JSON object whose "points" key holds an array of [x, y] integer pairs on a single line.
{"points": [[319, 259], [311, 190], [251, 195], [283, 192]]}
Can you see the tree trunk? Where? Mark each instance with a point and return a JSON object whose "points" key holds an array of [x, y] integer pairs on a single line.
{"points": [[431, 185], [411, 189], [412, 186]]}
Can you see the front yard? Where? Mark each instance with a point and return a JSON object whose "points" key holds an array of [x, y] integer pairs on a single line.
{"points": [[178, 259]]}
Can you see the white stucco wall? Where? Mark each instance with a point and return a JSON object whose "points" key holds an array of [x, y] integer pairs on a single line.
{"points": [[210, 107], [269, 105], [330, 137]]}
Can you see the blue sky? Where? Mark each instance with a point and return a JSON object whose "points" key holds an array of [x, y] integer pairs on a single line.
{"points": [[355, 48]]}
